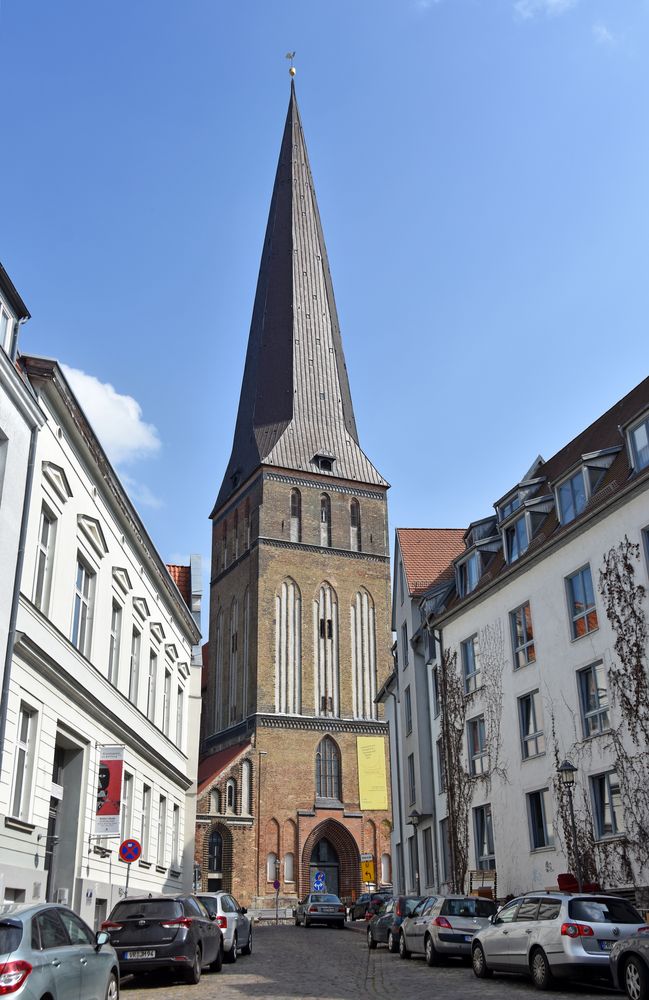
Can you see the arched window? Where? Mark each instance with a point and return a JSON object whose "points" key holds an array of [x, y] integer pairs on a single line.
{"points": [[296, 516], [288, 649], [246, 524], [327, 770], [325, 521], [215, 852], [246, 772], [386, 869], [246, 653], [224, 554], [355, 526], [271, 866], [289, 875], [325, 660], [234, 658], [236, 534], [231, 796], [363, 658], [215, 801], [218, 678]]}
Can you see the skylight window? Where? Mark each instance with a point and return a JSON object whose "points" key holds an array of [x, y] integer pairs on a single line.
{"points": [[572, 497]]}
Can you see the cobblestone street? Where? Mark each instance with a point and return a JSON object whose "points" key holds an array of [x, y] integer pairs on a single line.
{"points": [[330, 964]]}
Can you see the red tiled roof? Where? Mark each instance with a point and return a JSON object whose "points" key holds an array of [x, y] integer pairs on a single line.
{"points": [[428, 555], [181, 576], [210, 767]]}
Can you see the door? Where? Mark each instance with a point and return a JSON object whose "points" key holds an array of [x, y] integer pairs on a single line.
{"points": [[59, 958], [521, 931], [324, 859], [383, 922], [419, 924], [93, 964], [496, 940]]}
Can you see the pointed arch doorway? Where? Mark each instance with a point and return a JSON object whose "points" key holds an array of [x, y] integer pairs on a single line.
{"points": [[331, 848]]}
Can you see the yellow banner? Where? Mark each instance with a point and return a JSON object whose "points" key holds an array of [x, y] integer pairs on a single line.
{"points": [[372, 781]]}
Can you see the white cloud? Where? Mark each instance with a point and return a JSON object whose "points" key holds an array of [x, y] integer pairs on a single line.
{"points": [[139, 492], [116, 420], [530, 8], [602, 35]]}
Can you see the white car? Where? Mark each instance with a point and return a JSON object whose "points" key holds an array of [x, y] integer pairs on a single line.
{"points": [[235, 924]]}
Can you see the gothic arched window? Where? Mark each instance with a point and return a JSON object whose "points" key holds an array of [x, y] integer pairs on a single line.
{"points": [[288, 649], [236, 534], [218, 680], [246, 771], [327, 770], [325, 521], [325, 660], [245, 667], [296, 516], [234, 658], [215, 852], [363, 658], [355, 526]]}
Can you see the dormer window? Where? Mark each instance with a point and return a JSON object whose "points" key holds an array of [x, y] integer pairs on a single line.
{"points": [[6, 328], [639, 441], [325, 463], [571, 497], [508, 508], [516, 539], [468, 574]]}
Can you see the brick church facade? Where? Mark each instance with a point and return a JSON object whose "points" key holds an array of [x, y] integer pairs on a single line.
{"points": [[294, 771]]}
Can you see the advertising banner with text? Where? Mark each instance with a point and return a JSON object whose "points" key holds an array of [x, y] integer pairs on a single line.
{"points": [[109, 791], [372, 777]]}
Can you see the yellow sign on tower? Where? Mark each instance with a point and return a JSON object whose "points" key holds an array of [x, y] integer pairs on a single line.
{"points": [[372, 780]]}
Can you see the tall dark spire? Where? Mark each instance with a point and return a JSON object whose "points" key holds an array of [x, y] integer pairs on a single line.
{"points": [[295, 401]]}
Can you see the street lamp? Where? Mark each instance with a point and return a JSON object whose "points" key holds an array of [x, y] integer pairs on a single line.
{"points": [[413, 819], [567, 772]]}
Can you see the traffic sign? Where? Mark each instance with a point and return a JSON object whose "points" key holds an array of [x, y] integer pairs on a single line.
{"points": [[130, 850], [367, 857], [276, 885], [318, 886], [367, 871], [319, 877]]}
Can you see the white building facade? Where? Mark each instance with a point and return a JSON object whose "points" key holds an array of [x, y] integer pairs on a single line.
{"points": [[102, 657], [541, 656]]}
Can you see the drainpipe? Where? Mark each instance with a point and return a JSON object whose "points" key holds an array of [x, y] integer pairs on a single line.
{"points": [[396, 745], [432, 767], [11, 637]]}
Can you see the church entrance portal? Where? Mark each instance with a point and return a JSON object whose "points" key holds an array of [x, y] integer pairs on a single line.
{"points": [[325, 859]]}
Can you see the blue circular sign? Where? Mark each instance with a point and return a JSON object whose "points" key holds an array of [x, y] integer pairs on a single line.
{"points": [[319, 877], [130, 850]]}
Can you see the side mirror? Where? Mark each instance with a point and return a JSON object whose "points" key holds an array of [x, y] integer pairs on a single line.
{"points": [[101, 939], [494, 919], [211, 915], [243, 909]]}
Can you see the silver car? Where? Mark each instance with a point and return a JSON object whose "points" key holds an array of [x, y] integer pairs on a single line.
{"points": [[320, 908], [630, 965], [554, 934], [233, 920], [48, 951], [445, 927]]}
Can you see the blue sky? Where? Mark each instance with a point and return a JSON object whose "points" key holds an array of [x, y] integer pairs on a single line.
{"points": [[481, 168]]}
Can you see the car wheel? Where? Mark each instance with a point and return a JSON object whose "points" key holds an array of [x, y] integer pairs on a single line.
{"points": [[112, 990], [479, 962], [371, 943], [233, 953], [540, 969], [430, 951], [403, 951], [635, 978], [217, 964], [393, 944], [193, 974], [247, 949]]}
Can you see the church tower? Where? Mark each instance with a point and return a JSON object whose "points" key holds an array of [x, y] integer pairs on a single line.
{"points": [[294, 775]]}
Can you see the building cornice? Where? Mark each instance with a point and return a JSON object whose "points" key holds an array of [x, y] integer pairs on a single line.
{"points": [[20, 393], [280, 543], [327, 485], [323, 724]]}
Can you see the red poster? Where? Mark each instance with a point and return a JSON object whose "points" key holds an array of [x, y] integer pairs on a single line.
{"points": [[109, 791]]}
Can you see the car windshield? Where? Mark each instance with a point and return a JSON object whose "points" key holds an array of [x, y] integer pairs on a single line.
{"points": [[471, 907], [11, 931], [147, 909], [602, 910], [324, 897]]}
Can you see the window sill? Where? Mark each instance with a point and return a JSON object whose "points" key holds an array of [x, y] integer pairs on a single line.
{"points": [[144, 864], [19, 824], [533, 756], [576, 638], [161, 869], [542, 850], [175, 872], [612, 838]]}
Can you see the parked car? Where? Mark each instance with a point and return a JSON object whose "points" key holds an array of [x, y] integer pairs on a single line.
{"points": [[48, 951], [320, 908], [383, 927], [235, 924], [445, 927], [367, 903], [554, 934], [630, 965], [165, 932]]}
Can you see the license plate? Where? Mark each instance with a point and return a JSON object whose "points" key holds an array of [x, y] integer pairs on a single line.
{"points": [[606, 945], [327, 909], [139, 954]]}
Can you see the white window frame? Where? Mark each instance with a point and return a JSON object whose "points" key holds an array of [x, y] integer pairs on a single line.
{"points": [[533, 742], [152, 683], [569, 481], [24, 760], [512, 527], [642, 423], [606, 804], [134, 664], [522, 649], [166, 701], [145, 837], [485, 860], [114, 641], [587, 610], [45, 559], [83, 606], [180, 716], [468, 574], [601, 715], [477, 749], [471, 671], [127, 805], [162, 831]]}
